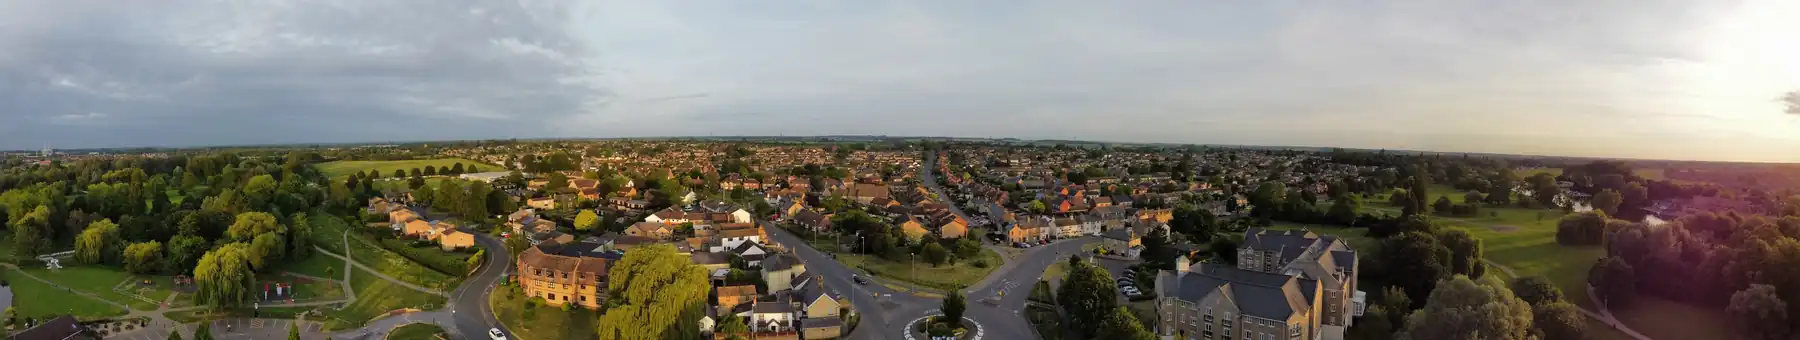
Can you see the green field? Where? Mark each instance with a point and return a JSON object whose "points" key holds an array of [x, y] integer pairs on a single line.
{"points": [[305, 290], [1653, 174], [98, 281], [417, 331], [1666, 319], [328, 231], [399, 267], [944, 277], [319, 265], [542, 322], [374, 297], [32, 298], [1356, 237], [386, 168]]}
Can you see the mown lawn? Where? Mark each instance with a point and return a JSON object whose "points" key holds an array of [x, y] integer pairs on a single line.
{"points": [[374, 297], [549, 323], [98, 281], [944, 277], [386, 168], [1356, 237], [319, 265], [417, 331], [32, 298], [1666, 319]]}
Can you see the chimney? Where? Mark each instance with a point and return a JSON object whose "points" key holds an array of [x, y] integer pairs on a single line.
{"points": [[1181, 264]]}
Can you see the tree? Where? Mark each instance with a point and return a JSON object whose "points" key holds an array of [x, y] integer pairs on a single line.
{"points": [[1761, 310], [94, 245], [1415, 262], [934, 253], [1375, 324], [1465, 252], [174, 334], [557, 181], [1119, 323], [1615, 281], [968, 248], [1543, 188], [399, 173], [184, 253], [1037, 207], [733, 324], [431, 170], [29, 230], [293, 331], [1087, 294], [266, 250], [1268, 198], [1343, 209], [1461, 308], [1442, 205], [204, 332], [586, 220], [223, 277], [1559, 321], [953, 306], [143, 257], [1634, 195], [250, 224], [516, 244], [1608, 201], [1536, 290], [654, 290], [1397, 304]]}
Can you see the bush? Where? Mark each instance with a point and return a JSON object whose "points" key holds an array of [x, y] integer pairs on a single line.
{"points": [[980, 264]]}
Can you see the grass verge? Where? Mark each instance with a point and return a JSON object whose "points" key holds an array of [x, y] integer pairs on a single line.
{"points": [[375, 297], [47, 301], [547, 323], [944, 277], [417, 331]]}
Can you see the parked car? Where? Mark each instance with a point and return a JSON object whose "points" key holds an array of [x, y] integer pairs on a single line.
{"points": [[495, 334], [859, 279], [1130, 290]]}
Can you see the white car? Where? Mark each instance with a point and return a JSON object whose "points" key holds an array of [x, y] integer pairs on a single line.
{"points": [[495, 334]]}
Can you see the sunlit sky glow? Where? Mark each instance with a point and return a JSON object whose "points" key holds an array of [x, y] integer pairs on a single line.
{"points": [[1640, 79]]}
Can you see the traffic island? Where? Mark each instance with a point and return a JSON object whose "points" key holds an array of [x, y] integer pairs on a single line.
{"points": [[932, 328]]}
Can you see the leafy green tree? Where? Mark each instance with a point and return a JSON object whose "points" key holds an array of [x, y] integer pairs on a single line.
{"points": [[174, 334], [294, 328], [431, 170], [250, 224], [586, 220], [934, 253], [953, 307], [1543, 188], [1608, 201], [223, 277], [1559, 321], [143, 257], [1461, 308], [94, 244], [1343, 209], [1536, 290], [266, 250], [184, 252], [1615, 281], [1088, 294], [1760, 310], [733, 324], [557, 181], [1268, 198], [968, 248], [1442, 205], [1414, 261], [1634, 195], [398, 173], [204, 332], [654, 290], [29, 230], [1465, 252], [1119, 323]]}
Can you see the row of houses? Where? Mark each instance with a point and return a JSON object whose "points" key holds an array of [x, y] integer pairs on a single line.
{"points": [[410, 223]]}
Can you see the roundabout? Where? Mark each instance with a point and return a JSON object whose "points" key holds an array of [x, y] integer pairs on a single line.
{"points": [[913, 331]]}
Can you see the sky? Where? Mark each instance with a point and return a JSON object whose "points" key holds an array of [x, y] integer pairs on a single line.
{"points": [[1639, 79]]}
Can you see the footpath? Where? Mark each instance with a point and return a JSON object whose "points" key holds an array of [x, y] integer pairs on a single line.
{"points": [[1604, 315]]}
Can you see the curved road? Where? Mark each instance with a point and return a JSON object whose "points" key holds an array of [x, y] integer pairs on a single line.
{"points": [[471, 313]]}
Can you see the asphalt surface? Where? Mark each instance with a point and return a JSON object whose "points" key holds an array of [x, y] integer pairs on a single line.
{"points": [[470, 310]]}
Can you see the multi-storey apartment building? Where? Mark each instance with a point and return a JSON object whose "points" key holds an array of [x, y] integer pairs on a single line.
{"points": [[1306, 254], [563, 274], [1219, 303]]}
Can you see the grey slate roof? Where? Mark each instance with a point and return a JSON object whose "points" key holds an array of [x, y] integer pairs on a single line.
{"points": [[1122, 234], [1264, 295]]}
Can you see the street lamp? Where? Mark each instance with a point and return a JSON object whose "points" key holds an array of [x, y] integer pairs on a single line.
{"points": [[915, 267]]}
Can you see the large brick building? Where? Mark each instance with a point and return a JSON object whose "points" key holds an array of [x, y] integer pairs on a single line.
{"points": [[563, 274]]}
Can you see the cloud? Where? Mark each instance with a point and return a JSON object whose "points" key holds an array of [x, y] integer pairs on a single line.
{"points": [[1792, 100], [1458, 75]]}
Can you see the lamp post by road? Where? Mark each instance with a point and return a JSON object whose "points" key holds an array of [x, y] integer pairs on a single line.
{"points": [[915, 267]]}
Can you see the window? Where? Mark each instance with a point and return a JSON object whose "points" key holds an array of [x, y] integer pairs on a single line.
{"points": [[552, 296], [565, 298], [584, 299]]}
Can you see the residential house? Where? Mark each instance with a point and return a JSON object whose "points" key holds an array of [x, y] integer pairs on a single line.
{"points": [[772, 317], [812, 220], [400, 216], [865, 192], [1068, 227], [1122, 240], [953, 230], [651, 230], [1220, 302], [913, 228], [1029, 229], [730, 297], [818, 312], [1160, 215], [753, 253], [779, 271], [710, 260], [415, 228], [738, 215], [546, 203], [732, 234]]}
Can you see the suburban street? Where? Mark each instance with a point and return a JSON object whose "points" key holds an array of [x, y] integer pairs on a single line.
{"points": [[469, 303]]}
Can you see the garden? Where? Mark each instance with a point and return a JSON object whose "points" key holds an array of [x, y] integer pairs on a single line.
{"points": [[528, 319]]}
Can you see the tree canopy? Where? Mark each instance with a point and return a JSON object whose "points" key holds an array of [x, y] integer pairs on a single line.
{"points": [[657, 294], [1461, 308]]}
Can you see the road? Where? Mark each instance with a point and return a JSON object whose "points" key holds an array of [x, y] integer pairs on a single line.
{"points": [[469, 303], [877, 316]]}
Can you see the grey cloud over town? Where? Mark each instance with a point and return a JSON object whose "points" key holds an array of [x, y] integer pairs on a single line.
{"points": [[1650, 79]]}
